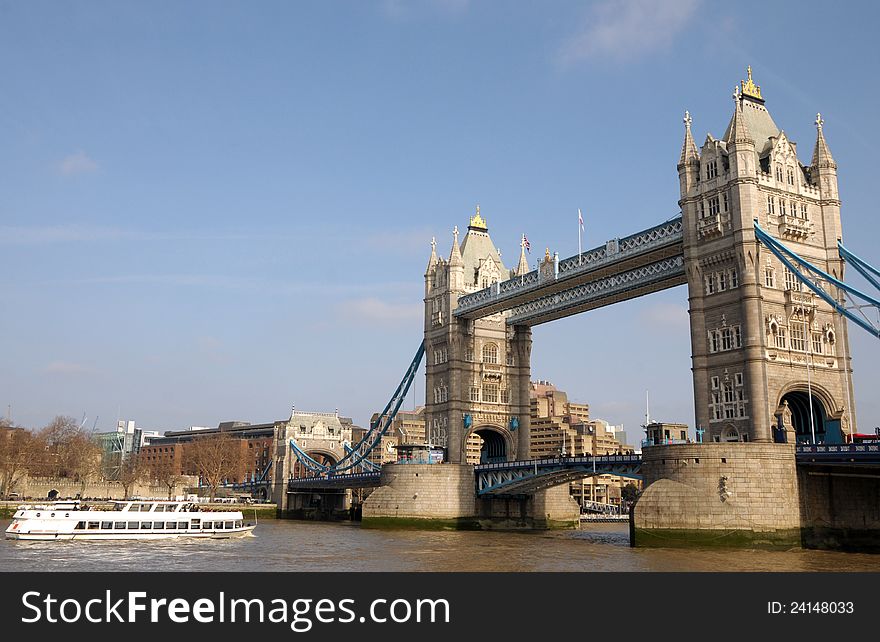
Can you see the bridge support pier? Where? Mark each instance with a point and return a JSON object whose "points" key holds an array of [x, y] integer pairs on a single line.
{"points": [[329, 504], [721, 494], [443, 496]]}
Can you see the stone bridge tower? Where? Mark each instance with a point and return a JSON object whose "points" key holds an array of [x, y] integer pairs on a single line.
{"points": [[771, 361], [477, 371]]}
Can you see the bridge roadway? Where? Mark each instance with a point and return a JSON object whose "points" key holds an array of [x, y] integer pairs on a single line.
{"points": [[518, 478], [626, 268]]}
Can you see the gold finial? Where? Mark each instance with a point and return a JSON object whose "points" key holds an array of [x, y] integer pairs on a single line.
{"points": [[750, 88], [478, 222], [547, 254], [819, 121]]}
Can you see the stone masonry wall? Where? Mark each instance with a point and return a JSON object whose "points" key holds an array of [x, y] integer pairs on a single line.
{"points": [[422, 491], [718, 491]]}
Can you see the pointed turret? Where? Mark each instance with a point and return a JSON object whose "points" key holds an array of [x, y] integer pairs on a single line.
{"points": [[523, 267], [456, 265], [689, 151], [821, 154], [455, 254], [432, 260], [738, 132]]}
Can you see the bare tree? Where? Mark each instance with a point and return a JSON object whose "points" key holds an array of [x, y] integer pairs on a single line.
{"points": [[19, 449], [215, 459], [71, 451], [167, 473], [131, 471]]}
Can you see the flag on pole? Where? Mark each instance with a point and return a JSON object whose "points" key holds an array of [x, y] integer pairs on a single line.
{"points": [[580, 218], [526, 244]]}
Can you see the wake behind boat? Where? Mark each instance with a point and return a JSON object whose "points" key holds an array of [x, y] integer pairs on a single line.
{"points": [[126, 520]]}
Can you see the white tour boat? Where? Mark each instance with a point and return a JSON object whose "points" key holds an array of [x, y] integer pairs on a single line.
{"points": [[143, 519]]}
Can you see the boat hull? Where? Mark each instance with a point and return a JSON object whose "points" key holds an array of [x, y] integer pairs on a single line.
{"points": [[246, 531]]}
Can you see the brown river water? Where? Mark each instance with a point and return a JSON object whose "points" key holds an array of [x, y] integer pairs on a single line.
{"points": [[282, 545]]}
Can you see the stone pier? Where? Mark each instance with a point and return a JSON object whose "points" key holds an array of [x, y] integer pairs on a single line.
{"points": [[441, 496]]}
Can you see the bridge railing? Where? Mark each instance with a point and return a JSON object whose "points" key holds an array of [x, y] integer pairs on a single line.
{"points": [[613, 250], [554, 461]]}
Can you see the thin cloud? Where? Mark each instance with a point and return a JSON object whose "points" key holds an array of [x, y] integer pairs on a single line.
{"points": [[67, 368], [373, 309], [665, 316], [78, 163], [624, 30], [40, 235]]}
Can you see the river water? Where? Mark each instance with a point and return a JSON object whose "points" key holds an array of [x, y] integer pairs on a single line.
{"points": [[283, 545]]}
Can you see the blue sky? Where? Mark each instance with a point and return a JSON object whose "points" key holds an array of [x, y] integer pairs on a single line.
{"points": [[216, 210]]}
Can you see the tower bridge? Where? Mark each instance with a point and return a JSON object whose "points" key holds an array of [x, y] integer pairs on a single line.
{"points": [[759, 246]]}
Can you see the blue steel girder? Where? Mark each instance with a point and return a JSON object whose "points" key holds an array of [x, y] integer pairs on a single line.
{"points": [[614, 258], [324, 482], [528, 477]]}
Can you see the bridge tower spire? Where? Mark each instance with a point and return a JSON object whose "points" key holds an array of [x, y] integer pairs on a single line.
{"points": [[759, 343]]}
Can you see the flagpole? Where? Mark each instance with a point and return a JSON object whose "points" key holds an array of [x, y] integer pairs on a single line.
{"points": [[580, 224]]}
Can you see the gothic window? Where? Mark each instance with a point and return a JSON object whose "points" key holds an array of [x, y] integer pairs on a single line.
{"points": [[469, 354], [475, 394], [510, 358], [714, 383], [792, 208], [782, 206], [726, 339], [804, 211], [711, 169], [702, 210], [734, 279], [737, 337], [722, 282], [779, 337], [490, 353], [769, 278], [710, 284], [485, 282], [738, 379], [505, 396], [713, 206], [797, 337], [728, 392], [790, 176], [771, 205], [437, 305], [725, 202], [791, 281], [713, 341], [818, 346], [779, 173], [490, 393]]}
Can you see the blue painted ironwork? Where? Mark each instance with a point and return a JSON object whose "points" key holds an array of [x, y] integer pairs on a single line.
{"points": [[791, 259], [838, 454], [357, 454], [528, 477], [330, 481], [862, 267]]}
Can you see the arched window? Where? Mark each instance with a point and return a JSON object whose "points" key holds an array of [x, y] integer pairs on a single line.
{"points": [[490, 353]]}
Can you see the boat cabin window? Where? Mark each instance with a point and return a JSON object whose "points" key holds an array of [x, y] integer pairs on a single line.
{"points": [[146, 525], [106, 525], [133, 524], [119, 525], [81, 526], [227, 525], [207, 525], [160, 508], [158, 524], [182, 525], [93, 525], [238, 524]]}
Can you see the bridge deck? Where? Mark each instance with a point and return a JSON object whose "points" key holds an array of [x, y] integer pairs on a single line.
{"points": [[621, 269]]}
